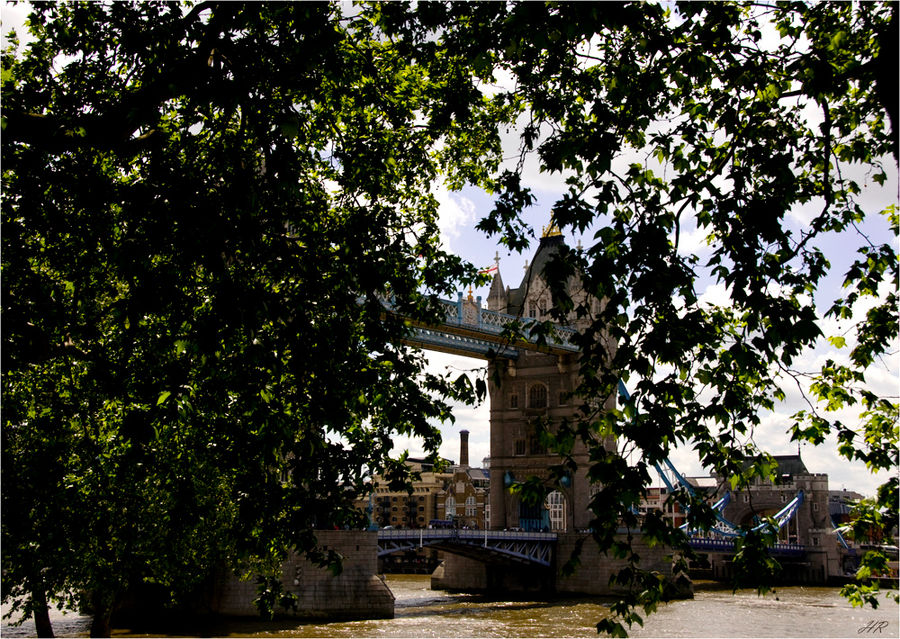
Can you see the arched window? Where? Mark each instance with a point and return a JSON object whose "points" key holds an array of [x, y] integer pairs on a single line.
{"points": [[450, 506], [556, 504], [470, 506], [537, 396]]}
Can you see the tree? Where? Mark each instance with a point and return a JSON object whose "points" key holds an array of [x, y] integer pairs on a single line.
{"points": [[203, 206], [725, 119], [203, 209]]}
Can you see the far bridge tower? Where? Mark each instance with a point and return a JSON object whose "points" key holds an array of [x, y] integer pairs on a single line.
{"points": [[536, 389]]}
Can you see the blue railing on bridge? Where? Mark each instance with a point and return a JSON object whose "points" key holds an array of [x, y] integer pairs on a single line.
{"points": [[495, 322], [462, 533]]}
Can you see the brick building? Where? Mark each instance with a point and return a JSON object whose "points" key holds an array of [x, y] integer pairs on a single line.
{"points": [[404, 509], [466, 497]]}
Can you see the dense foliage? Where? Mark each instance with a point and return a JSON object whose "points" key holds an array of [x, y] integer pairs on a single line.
{"points": [[202, 209], [733, 121], [202, 206]]}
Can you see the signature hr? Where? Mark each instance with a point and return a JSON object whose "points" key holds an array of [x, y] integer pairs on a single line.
{"points": [[873, 627]]}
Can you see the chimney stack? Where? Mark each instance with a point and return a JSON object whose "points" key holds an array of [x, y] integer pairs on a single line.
{"points": [[464, 448]]}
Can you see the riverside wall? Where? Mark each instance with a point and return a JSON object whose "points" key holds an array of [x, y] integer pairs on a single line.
{"points": [[357, 593]]}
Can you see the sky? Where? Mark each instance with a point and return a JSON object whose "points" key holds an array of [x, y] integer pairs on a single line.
{"points": [[460, 211]]}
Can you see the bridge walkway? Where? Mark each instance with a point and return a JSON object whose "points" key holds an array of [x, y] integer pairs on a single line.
{"points": [[727, 546]]}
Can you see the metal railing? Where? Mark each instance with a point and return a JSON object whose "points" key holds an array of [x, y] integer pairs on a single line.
{"points": [[458, 533]]}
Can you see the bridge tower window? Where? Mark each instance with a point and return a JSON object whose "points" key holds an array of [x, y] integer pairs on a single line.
{"points": [[513, 400], [537, 396], [535, 447], [520, 447], [556, 504]]}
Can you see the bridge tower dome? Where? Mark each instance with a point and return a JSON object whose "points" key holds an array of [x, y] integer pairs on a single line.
{"points": [[532, 392]]}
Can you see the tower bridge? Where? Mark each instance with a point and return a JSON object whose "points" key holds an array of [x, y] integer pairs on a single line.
{"points": [[531, 379], [532, 373]]}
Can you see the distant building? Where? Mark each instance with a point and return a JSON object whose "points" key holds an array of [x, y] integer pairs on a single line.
{"points": [[466, 497], [840, 504], [404, 509], [460, 493], [658, 499]]}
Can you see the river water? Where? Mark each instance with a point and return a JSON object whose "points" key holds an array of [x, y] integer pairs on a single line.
{"points": [[421, 612]]}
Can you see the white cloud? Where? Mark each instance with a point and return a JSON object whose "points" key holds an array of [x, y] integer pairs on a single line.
{"points": [[456, 212], [693, 241], [715, 294]]}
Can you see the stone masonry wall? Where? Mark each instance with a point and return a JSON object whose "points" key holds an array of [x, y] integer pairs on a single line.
{"points": [[357, 593], [591, 577], [470, 575], [459, 573]]}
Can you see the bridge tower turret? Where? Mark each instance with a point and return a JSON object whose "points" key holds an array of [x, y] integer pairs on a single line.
{"points": [[531, 392], [498, 296]]}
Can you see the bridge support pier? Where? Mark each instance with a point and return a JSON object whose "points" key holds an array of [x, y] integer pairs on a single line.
{"points": [[590, 578], [458, 573], [357, 593]]}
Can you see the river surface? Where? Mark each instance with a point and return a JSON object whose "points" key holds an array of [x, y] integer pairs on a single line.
{"points": [[421, 612]]}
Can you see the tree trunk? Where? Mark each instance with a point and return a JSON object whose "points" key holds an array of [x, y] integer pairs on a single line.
{"points": [[100, 624], [41, 614]]}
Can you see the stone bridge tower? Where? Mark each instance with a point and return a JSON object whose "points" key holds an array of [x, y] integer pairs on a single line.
{"points": [[535, 389]]}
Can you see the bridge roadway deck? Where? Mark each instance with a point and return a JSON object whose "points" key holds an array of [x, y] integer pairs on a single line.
{"points": [[489, 546], [483, 332]]}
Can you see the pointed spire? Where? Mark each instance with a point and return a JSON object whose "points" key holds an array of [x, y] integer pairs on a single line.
{"points": [[497, 297]]}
